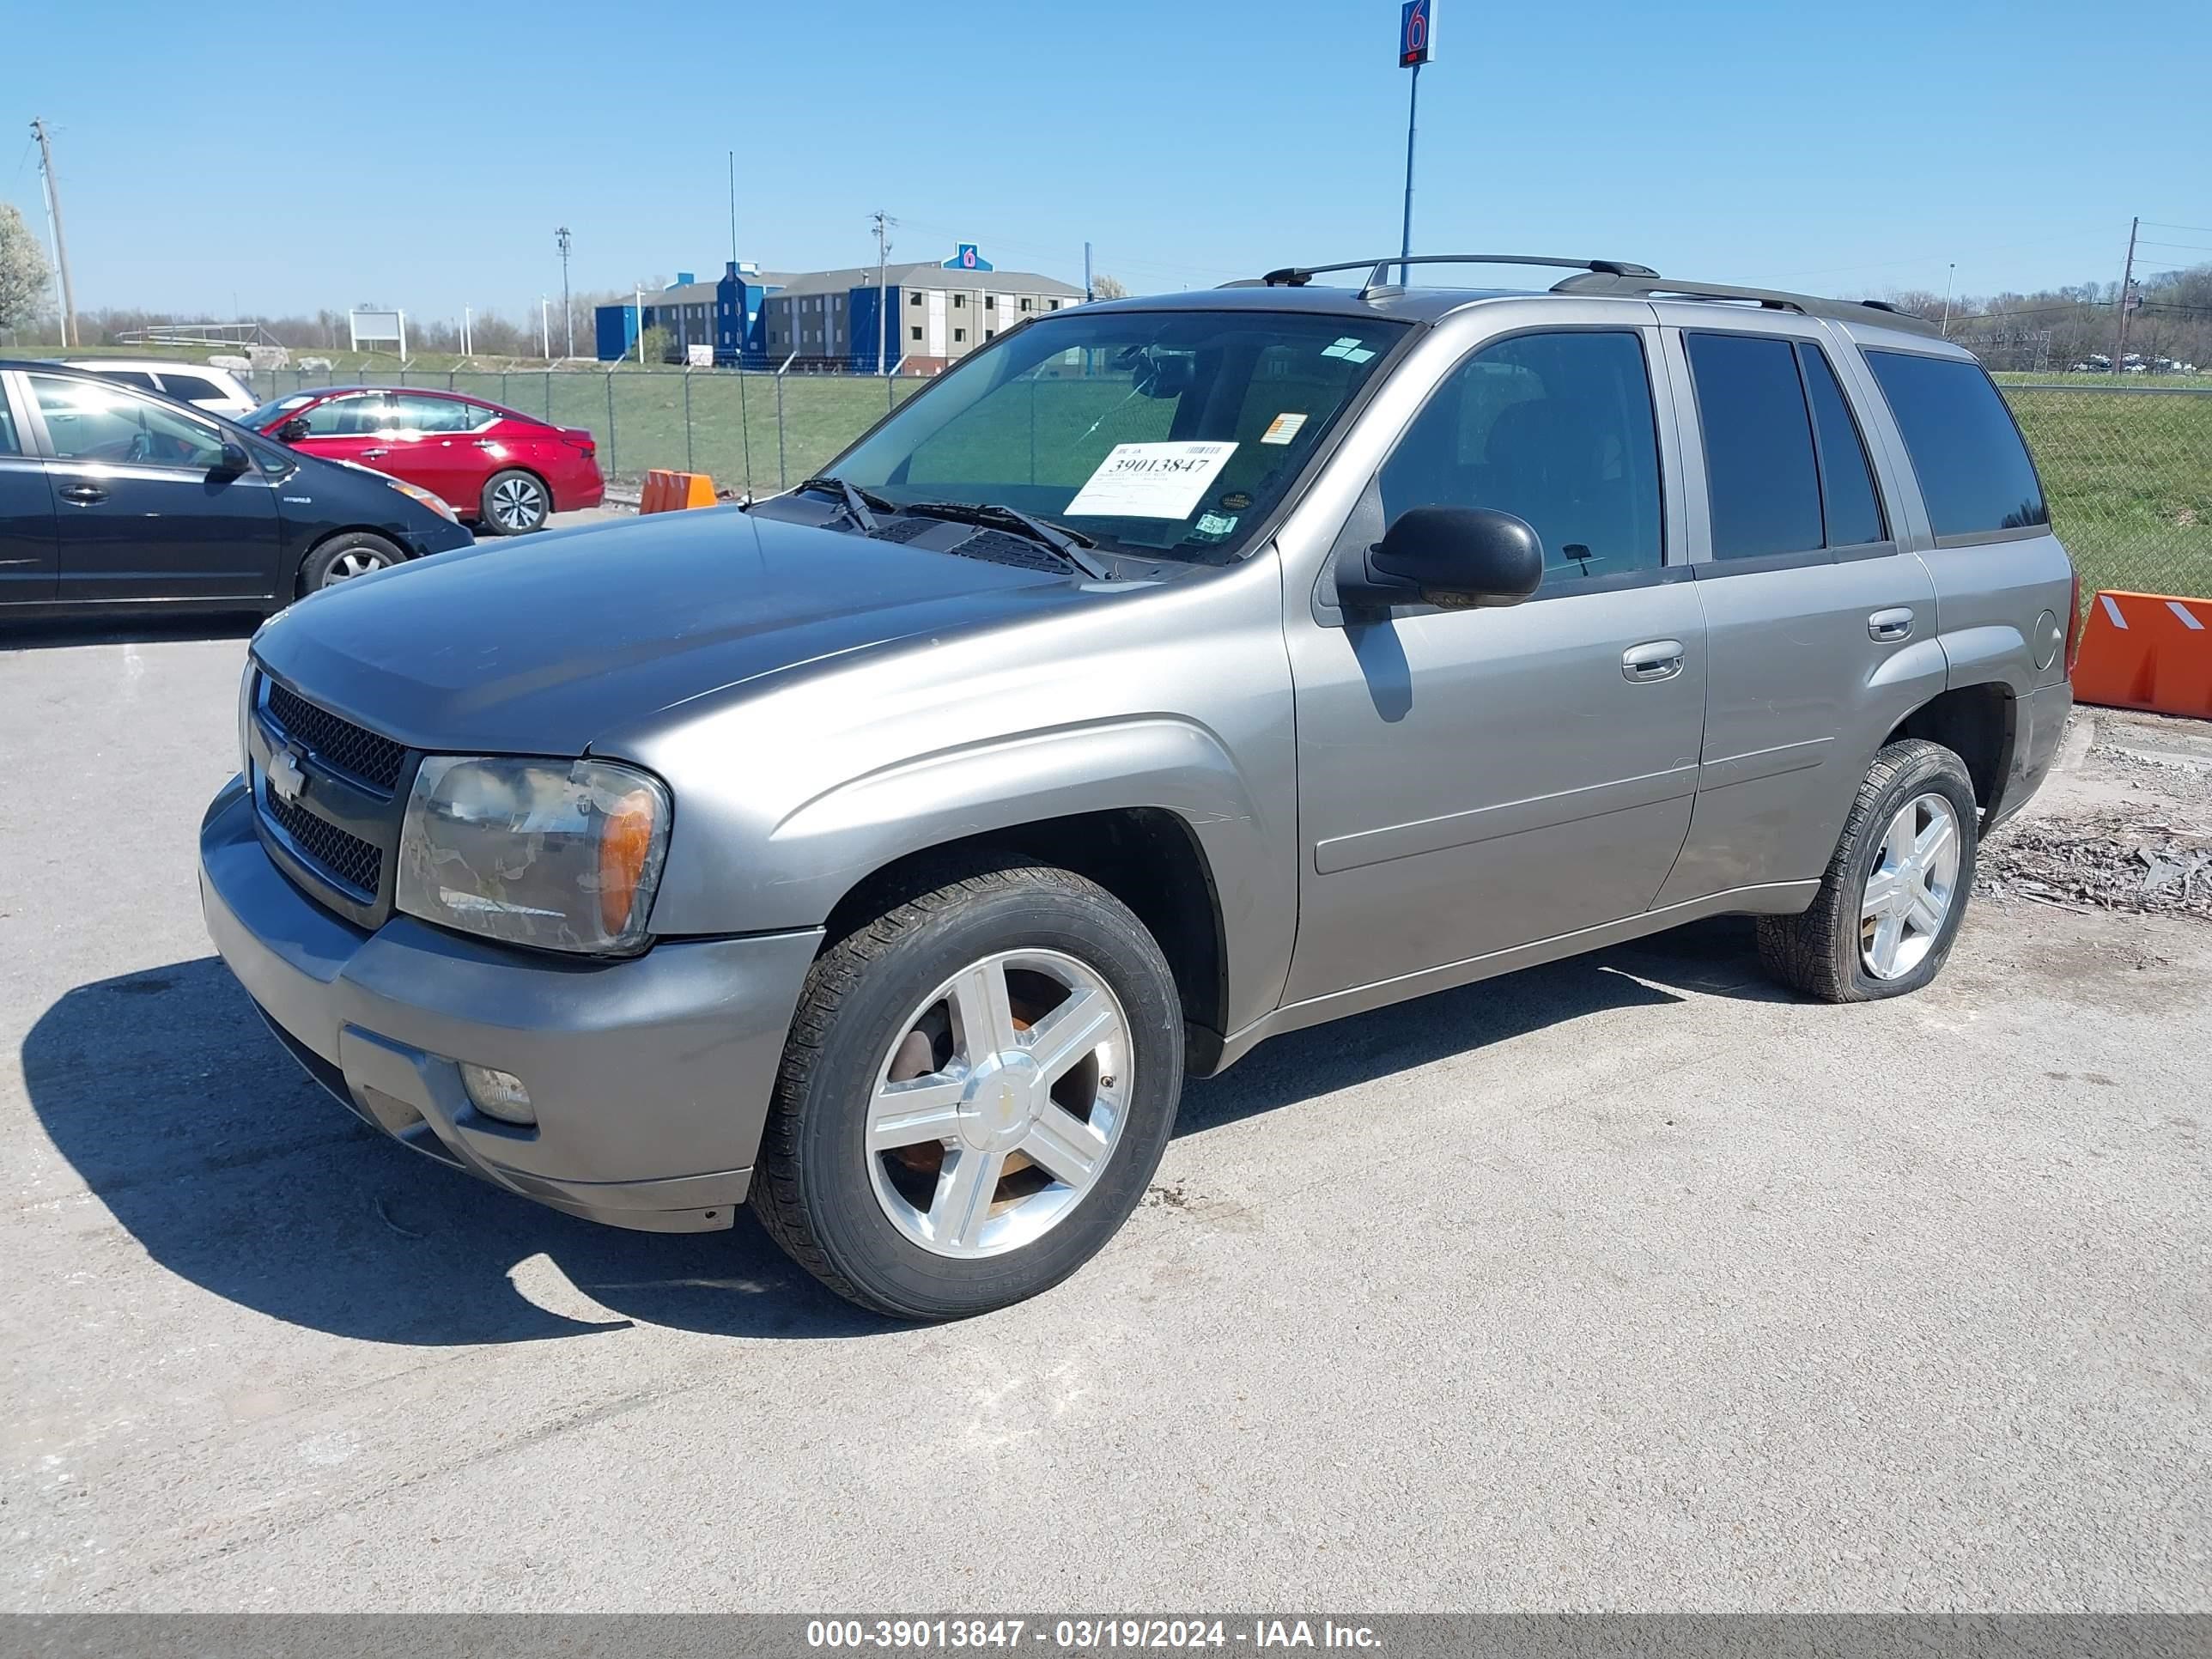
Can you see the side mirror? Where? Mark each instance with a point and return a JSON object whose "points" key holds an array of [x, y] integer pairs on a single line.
{"points": [[1458, 557], [233, 461], [292, 431]]}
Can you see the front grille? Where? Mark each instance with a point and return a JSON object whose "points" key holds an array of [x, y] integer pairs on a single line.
{"points": [[337, 743], [357, 863]]}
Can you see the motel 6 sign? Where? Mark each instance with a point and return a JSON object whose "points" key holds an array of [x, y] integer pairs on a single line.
{"points": [[1417, 32]]}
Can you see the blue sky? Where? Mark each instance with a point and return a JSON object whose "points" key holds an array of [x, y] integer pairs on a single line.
{"points": [[273, 157]]}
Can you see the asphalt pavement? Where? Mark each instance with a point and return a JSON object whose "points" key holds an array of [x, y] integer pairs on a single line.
{"points": [[1625, 1283]]}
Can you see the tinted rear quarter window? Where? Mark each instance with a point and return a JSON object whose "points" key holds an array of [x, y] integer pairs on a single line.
{"points": [[1974, 471], [189, 387], [1759, 471]]}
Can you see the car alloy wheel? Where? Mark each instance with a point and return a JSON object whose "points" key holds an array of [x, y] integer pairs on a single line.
{"points": [[1910, 889], [354, 561], [999, 1104], [518, 504]]}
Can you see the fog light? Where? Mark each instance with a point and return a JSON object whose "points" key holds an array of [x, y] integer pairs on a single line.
{"points": [[498, 1094]]}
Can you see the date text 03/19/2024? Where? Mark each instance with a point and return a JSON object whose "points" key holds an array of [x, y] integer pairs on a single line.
{"points": [[1084, 1634]]}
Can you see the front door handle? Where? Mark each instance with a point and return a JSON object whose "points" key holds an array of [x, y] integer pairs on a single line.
{"points": [[82, 495], [372, 454], [1890, 626], [1653, 659]]}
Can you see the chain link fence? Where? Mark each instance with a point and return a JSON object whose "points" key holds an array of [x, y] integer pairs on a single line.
{"points": [[2128, 469], [2128, 472]]}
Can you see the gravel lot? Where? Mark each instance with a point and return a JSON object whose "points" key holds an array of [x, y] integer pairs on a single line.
{"points": [[1623, 1283]]}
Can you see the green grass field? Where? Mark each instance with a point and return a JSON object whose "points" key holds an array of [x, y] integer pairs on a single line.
{"points": [[2129, 477]]}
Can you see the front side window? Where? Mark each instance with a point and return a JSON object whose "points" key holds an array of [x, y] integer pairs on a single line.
{"points": [[1974, 470], [1157, 434], [88, 420], [417, 414], [1760, 474], [356, 416], [1554, 429]]}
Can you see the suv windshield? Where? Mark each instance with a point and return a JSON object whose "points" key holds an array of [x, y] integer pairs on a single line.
{"points": [[1155, 434]]}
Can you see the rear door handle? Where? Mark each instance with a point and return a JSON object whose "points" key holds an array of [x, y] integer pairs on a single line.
{"points": [[83, 494], [1653, 659], [1890, 626]]}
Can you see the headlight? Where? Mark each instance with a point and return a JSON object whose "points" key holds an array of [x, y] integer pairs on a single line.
{"points": [[560, 854], [435, 502]]}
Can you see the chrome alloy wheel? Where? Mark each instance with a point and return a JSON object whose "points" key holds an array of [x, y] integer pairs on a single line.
{"points": [[999, 1104], [518, 504], [1911, 888], [354, 561]]}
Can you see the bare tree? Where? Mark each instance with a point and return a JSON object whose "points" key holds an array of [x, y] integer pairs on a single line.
{"points": [[24, 277], [1103, 286]]}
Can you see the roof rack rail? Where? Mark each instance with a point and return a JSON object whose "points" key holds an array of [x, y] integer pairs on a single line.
{"points": [[1650, 286], [1377, 270]]}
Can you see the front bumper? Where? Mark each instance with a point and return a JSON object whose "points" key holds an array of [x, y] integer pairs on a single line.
{"points": [[651, 1077]]}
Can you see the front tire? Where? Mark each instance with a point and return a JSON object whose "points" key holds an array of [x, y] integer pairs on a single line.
{"points": [[1895, 892], [355, 553], [514, 503], [981, 1079]]}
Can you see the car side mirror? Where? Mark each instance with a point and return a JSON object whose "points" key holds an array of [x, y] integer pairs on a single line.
{"points": [[1457, 557], [292, 431], [233, 461]]}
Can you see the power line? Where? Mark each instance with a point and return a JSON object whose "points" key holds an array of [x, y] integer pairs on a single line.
{"points": [[2194, 230]]}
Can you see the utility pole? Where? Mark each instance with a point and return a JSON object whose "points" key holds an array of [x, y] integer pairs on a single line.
{"points": [[1949, 275], [884, 224], [639, 296], [2127, 293], [734, 213], [1088, 296], [567, 311], [545, 325], [54, 224], [467, 350]]}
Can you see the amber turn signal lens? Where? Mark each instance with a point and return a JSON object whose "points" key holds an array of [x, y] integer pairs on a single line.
{"points": [[625, 844]]}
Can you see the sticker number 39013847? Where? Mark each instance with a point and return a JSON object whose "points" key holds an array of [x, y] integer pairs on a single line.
{"points": [[1150, 480]]}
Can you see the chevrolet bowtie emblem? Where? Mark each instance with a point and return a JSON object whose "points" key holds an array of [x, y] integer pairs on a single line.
{"points": [[286, 780]]}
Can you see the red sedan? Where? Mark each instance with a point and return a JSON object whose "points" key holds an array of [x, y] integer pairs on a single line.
{"points": [[498, 468]]}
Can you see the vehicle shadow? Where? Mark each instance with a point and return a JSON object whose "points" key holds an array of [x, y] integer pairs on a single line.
{"points": [[51, 635], [206, 1141]]}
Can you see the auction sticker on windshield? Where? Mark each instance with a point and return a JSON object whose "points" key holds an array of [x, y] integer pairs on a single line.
{"points": [[1150, 480]]}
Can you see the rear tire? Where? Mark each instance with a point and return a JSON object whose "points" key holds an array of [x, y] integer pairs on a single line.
{"points": [[514, 503], [1895, 892], [344, 557], [1013, 1009]]}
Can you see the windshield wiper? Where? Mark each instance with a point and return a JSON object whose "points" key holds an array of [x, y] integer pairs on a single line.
{"points": [[856, 503], [1068, 543]]}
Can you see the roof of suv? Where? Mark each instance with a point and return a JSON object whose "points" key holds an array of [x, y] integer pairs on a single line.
{"points": [[1292, 288]]}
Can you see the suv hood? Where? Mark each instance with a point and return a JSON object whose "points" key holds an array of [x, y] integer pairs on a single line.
{"points": [[536, 647]]}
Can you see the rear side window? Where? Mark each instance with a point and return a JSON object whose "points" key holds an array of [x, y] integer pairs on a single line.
{"points": [[189, 387], [1759, 469], [1974, 469], [138, 377], [1848, 502]]}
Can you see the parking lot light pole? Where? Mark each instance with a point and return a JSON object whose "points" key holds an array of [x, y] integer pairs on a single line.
{"points": [[567, 311], [1416, 37]]}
